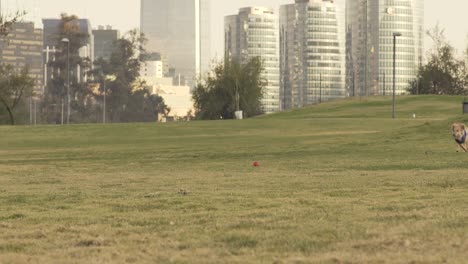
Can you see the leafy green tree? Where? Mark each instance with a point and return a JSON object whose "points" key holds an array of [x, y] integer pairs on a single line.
{"points": [[127, 98], [56, 91], [156, 106], [444, 74], [14, 87], [6, 22], [232, 87]]}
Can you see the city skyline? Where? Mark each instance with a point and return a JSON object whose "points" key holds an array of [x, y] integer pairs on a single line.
{"points": [[125, 17], [313, 52], [371, 70]]}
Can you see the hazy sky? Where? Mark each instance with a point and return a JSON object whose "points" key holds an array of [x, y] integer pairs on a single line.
{"points": [[125, 15]]}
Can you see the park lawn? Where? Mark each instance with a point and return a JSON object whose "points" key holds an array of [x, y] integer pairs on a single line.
{"points": [[338, 183]]}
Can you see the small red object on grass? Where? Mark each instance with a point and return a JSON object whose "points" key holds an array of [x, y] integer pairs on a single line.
{"points": [[256, 164]]}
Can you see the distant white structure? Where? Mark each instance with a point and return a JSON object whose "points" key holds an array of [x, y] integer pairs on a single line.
{"points": [[153, 83], [152, 69], [178, 98]]}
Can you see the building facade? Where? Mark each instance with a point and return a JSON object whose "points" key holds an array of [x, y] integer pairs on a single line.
{"points": [[104, 40], [52, 38], [254, 33], [23, 48], [370, 26], [179, 29], [152, 69], [313, 52], [177, 98]]}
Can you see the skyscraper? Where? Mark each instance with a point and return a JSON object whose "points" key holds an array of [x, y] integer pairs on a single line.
{"points": [[179, 30], [371, 25], [313, 52], [53, 37], [23, 48], [104, 40], [254, 33]]}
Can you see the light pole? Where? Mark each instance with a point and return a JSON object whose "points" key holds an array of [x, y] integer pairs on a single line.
{"points": [[104, 107], [354, 83], [395, 35], [320, 98], [366, 48], [384, 84], [106, 78], [67, 41]]}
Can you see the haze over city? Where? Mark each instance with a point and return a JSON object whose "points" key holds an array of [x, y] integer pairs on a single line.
{"points": [[125, 15]]}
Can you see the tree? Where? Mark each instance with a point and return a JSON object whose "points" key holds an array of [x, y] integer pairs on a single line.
{"points": [[56, 91], [466, 50], [7, 22], [443, 74], [156, 106], [231, 87], [127, 98], [14, 87]]}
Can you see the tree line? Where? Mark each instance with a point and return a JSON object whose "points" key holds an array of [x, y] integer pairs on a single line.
{"points": [[230, 86], [127, 98], [14, 85], [444, 73]]}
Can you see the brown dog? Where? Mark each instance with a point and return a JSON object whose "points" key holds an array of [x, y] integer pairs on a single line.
{"points": [[460, 135]]}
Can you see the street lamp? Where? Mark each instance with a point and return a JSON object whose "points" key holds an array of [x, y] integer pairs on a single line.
{"points": [[67, 41], [104, 101], [106, 78], [320, 84], [395, 35]]}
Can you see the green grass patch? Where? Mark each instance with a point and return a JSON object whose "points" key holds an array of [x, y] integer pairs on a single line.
{"points": [[339, 182]]}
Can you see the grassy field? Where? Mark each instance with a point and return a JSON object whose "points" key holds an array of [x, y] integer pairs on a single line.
{"points": [[338, 183]]}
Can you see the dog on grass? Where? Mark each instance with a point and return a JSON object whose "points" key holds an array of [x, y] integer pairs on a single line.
{"points": [[460, 135]]}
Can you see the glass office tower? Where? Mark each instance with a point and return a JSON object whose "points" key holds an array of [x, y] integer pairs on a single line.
{"points": [[104, 40], [180, 31], [313, 52], [370, 26], [254, 33]]}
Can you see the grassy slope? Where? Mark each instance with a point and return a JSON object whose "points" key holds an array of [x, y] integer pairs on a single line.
{"points": [[339, 182]]}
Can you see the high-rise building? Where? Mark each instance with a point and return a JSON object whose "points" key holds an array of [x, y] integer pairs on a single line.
{"points": [[371, 25], [179, 29], [104, 39], [254, 33], [23, 48], [52, 38], [313, 52], [52, 35]]}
